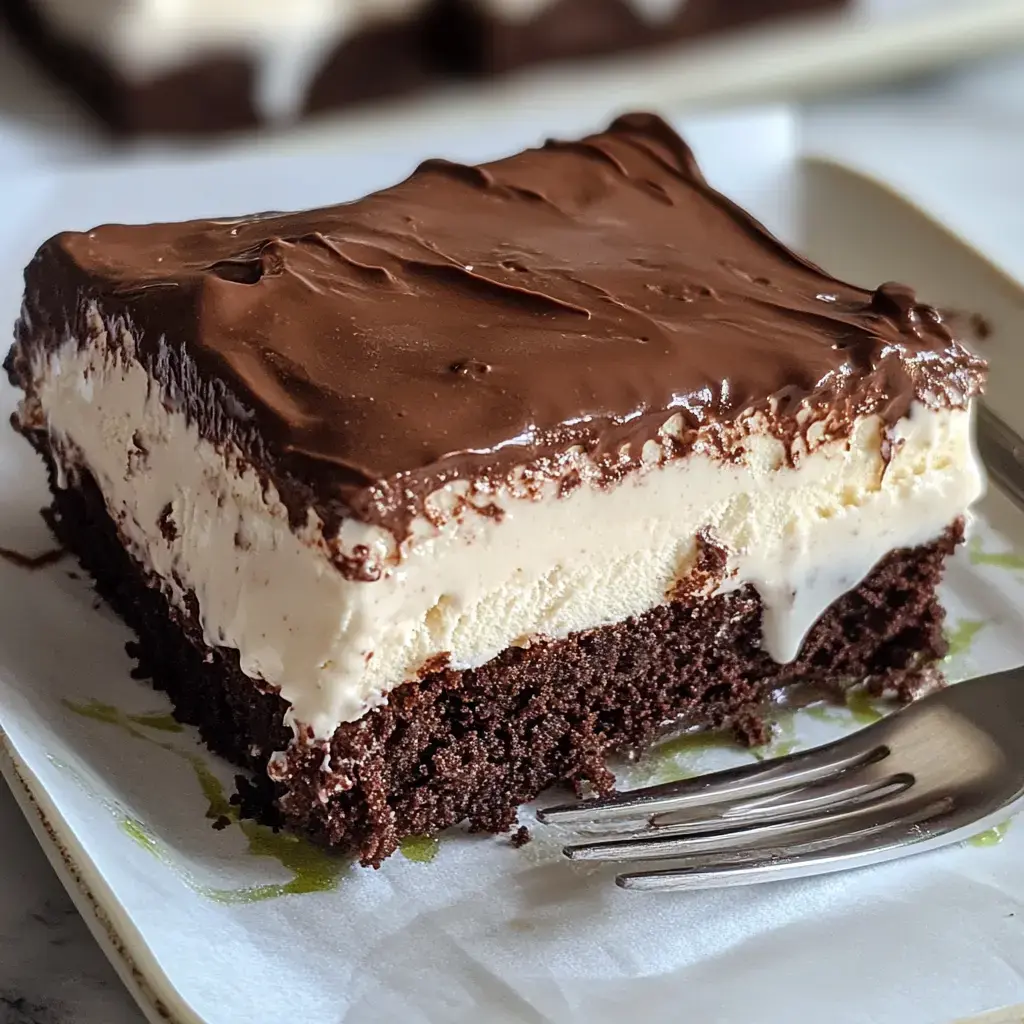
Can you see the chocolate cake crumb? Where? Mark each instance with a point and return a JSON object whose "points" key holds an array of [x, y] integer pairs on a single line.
{"points": [[981, 326], [436, 663], [139, 671], [166, 524], [706, 572], [751, 729], [912, 683], [569, 483], [359, 565], [521, 837], [490, 511], [31, 562]]}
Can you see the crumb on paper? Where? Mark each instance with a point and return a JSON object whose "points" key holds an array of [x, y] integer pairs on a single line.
{"points": [[751, 730], [521, 837], [981, 326], [32, 562]]}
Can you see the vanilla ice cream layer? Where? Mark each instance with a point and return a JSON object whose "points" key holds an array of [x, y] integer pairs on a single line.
{"points": [[476, 584], [289, 41]]}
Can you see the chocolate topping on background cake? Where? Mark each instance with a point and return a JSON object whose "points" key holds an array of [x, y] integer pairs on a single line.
{"points": [[474, 319]]}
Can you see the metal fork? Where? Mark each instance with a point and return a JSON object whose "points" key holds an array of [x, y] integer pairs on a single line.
{"points": [[932, 774]]}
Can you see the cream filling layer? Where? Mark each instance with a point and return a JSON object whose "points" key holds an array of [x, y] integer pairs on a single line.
{"points": [[288, 40], [476, 583]]}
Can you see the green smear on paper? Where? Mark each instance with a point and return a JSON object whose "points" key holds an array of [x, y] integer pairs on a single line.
{"points": [[219, 806], [664, 759], [693, 743], [96, 710], [829, 713], [668, 761], [313, 869], [135, 830], [961, 636], [419, 849], [164, 723], [1001, 560], [990, 837], [100, 712], [863, 707], [859, 707]]}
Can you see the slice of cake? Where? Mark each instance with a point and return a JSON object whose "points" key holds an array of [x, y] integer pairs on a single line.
{"points": [[423, 503], [195, 66], [492, 36]]}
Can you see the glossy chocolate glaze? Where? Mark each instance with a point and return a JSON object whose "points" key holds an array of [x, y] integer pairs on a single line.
{"points": [[472, 320]]}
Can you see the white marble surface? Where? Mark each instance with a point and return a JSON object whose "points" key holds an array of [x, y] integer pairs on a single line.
{"points": [[959, 126], [51, 970]]}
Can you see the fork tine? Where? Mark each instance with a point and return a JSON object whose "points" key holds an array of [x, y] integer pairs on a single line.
{"points": [[855, 786], [795, 805], [883, 839], [692, 840], [765, 778]]}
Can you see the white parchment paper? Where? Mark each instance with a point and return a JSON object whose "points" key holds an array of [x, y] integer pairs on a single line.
{"points": [[237, 925]]}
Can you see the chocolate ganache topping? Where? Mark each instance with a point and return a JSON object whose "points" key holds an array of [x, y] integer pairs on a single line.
{"points": [[474, 319]]}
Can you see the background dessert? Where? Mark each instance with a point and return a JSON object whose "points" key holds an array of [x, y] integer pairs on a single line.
{"points": [[193, 66]]}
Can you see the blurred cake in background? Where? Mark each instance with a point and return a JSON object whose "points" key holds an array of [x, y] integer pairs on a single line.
{"points": [[201, 66], [198, 66], [501, 35]]}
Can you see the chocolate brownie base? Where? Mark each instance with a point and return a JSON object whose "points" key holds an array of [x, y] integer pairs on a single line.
{"points": [[217, 93], [474, 745], [475, 41]]}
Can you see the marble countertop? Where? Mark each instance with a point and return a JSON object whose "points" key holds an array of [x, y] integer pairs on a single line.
{"points": [[51, 970]]}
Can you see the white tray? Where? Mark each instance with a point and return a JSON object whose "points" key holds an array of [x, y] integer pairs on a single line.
{"points": [[200, 924]]}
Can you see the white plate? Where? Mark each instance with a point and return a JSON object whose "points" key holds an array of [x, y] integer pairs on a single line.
{"points": [[201, 924]]}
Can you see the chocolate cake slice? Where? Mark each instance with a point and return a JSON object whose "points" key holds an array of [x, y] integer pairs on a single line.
{"points": [[491, 36], [201, 66], [423, 503]]}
